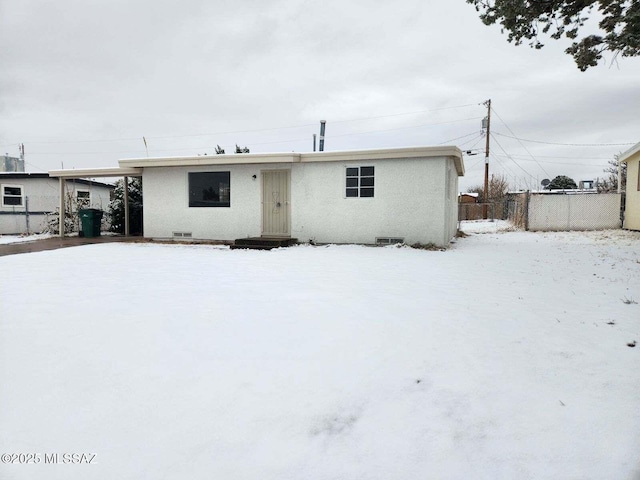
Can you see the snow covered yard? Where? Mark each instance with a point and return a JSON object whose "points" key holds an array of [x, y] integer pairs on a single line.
{"points": [[504, 357], [6, 239]]}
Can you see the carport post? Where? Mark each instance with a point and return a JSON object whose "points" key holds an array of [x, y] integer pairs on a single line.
{"points": [[61, 210], [126, 206]]}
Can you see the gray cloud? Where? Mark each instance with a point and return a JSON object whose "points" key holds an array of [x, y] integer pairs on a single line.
{"points": [[76, 72]]}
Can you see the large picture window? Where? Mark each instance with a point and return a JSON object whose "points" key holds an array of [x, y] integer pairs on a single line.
{"points": [[11, 195], [210, 189], [360, 181]]}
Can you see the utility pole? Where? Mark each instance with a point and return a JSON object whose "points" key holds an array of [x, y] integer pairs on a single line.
{"points": [[486, 159]]}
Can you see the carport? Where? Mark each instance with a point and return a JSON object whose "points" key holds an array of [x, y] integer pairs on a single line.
{"points": [[64, 175]]}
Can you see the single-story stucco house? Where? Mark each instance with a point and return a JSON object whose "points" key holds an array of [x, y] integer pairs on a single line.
{"points": [[28, 198], [362, 196], [632, 203]]}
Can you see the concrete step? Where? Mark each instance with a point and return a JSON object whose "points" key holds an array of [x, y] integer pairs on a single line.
{"points": [[263, 243]]}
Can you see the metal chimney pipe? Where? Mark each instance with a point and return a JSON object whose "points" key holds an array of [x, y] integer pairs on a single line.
{"points": [[322, 127]]}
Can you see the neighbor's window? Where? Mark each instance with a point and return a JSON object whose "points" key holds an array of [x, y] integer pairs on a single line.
{"points": [[83, 197], [11, 195], [210, 189], [360, 181]]}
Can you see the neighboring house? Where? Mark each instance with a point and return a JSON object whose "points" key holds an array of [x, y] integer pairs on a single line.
{"points": [[469, 197], [365, 196], [632, 204], [27, 198], [468, 208]]}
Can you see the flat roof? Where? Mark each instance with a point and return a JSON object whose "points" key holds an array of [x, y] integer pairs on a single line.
{"points": [[262, 158]]}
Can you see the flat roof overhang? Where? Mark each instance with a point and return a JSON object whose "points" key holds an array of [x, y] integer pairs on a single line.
{"points": [[451, 152], [625, 156], [97, 172]]}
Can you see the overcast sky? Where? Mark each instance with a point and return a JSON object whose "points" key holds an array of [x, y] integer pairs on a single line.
{"points": [[84, 80]]}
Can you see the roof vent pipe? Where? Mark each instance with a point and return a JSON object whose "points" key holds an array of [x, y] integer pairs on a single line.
{"points": [[322, 127], [314, 142]]}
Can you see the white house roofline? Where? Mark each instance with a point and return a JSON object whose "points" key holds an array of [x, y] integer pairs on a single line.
{"points": [[261, 158], [629, 153]]}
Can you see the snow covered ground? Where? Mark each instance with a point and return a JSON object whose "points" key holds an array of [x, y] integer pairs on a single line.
{"points": [[5, 239], [504, 357], [486, 226]]}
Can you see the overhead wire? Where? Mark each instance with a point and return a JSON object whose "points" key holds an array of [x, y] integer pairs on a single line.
{"points": [[157, 137], [521, 144], [368, 132], [511, 158], [566, 144]]}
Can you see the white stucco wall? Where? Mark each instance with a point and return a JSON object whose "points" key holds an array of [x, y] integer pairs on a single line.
{"points": [[166, 203], [410, 202], [41, 196], [632, 205]]}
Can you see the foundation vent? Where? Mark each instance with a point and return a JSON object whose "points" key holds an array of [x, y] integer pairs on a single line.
{"points": [[182, 235], [388, 240]]}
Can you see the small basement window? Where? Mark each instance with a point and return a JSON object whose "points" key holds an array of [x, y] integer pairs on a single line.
{"points": [[12, 195], [210, 189], [360, 181]]}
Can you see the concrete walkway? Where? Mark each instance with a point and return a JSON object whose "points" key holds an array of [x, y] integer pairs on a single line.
{"points": [[54, 243]]}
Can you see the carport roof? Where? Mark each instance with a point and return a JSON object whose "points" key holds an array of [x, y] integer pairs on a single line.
{"points": [[97, 172]]}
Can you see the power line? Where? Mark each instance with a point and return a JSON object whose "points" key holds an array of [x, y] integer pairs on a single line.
{"points": [[562, 163], [404, 128], [458, 138], [262, 143], [521, 144], [235, 132], [511, 158], [405, 113], [567, 144]]}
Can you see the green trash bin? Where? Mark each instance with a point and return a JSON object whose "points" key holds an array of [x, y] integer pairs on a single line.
{"points": [[91, 219]]}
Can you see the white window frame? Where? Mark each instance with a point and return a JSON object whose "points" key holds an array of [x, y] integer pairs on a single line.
{"points": [[4, 196], [88, 199], [359, 178]]}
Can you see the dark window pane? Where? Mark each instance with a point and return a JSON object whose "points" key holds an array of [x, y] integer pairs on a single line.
{"points": [[352, 192], [352, 172], [12, 191], [366, 171], [366, 192], [209, 189], [13, 200], [366, 182], [352, 182]]}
